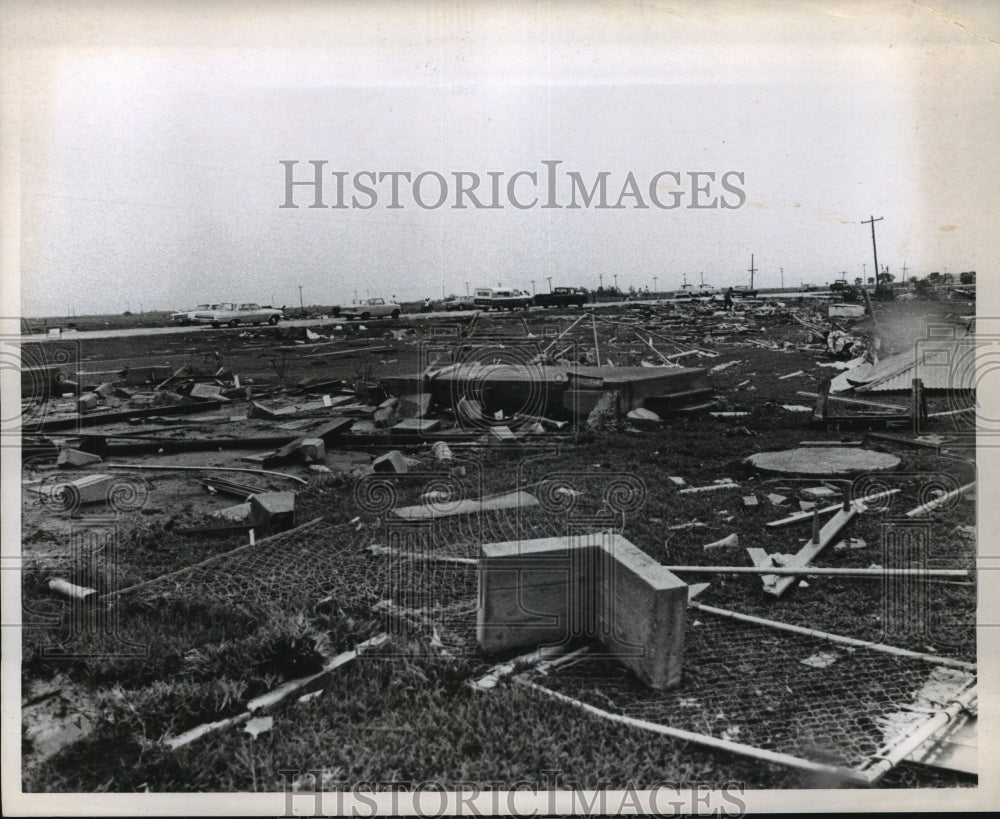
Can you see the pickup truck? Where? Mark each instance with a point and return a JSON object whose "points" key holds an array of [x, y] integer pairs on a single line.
{"points": [[501, 298], [562, 297], [371, 308], [232, 314]]}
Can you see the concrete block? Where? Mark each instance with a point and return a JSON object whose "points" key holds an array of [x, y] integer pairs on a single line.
{"points": [[390, 462], [312, 450], [600, 586], [68, 458], [82, 490], [105, 389], [87, 402], [272, 511]]}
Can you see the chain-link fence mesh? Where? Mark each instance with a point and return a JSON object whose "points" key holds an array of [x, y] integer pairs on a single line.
{"points": [[746, 683]]}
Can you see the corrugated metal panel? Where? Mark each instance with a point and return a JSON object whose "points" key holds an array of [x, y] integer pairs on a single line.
{"points": [[942, 364]]}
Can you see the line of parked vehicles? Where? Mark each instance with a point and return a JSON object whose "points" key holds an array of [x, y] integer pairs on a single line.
{"points": [[234, 314]]}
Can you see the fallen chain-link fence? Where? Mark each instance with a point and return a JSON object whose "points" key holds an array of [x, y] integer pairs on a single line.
{"points": [[795, 699]]}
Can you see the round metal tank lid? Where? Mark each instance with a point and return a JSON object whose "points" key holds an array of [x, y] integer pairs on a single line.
{"points": [[823, 461]]}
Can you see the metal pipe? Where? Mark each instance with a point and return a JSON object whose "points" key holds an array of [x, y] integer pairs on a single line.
{"points": [[834, 638], [762, 754], [813, 570]]}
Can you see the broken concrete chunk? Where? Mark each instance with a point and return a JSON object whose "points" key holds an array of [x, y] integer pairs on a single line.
{"points": [[732, 540], [104, 390], [642, 417], [312, 450], [390, 462], [501, 435], [320, 468], [441, 451], [417, 425], [87, 402], [71, 590], [201, 390], [676, 481], [776, 499], [414, 406], [69, 458], [750, 500]]}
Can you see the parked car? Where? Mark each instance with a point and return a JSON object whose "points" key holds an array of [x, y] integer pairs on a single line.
{"points": [[693, 291], [455, 303], [562, 297], [501, 298], [187, 316], [233, 314], [371, 308], [744, 292]]}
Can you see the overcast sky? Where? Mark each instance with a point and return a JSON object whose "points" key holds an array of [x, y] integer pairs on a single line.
{"points": [[150, 145]]}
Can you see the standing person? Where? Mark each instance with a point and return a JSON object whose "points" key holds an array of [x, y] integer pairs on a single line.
{"points": [[728, 304]]}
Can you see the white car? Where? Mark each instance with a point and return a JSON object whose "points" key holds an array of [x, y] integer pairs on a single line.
{"points": [[371, 308], [187, 316], [695, 291], [232, 314]]}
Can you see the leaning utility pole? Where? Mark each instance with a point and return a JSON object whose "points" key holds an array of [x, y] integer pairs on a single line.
{"points": [[751, 271], [302, 308], [872, 220]]}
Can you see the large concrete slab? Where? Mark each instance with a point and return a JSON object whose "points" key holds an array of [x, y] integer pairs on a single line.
{"points": [[539, 389], [823, 461], [552, 590]]}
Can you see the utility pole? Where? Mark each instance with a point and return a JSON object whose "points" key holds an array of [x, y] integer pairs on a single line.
{"points": [[532, 287], [751, 271], [466, 289], [616, 282], [302, 308], [655, 290], [782, 276], [550, 283], [904, 272], [872, 220]]}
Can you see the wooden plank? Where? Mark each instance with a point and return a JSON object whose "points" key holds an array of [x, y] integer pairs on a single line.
{"points": [[517, 499], [777, 586]]}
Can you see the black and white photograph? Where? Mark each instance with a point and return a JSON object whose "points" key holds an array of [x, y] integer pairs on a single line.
{"points": [[527, 408]]}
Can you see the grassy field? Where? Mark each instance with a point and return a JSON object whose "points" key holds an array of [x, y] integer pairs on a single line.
{"points": [[211, 641]]}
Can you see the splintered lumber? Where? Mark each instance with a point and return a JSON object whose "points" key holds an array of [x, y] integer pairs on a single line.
{"points": [[599, 586], [859, 503], [549, 655], [930, 506], [273, 699], [777, 586], [710, 488], [517, 499], [111, 467], [378, 549]]}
